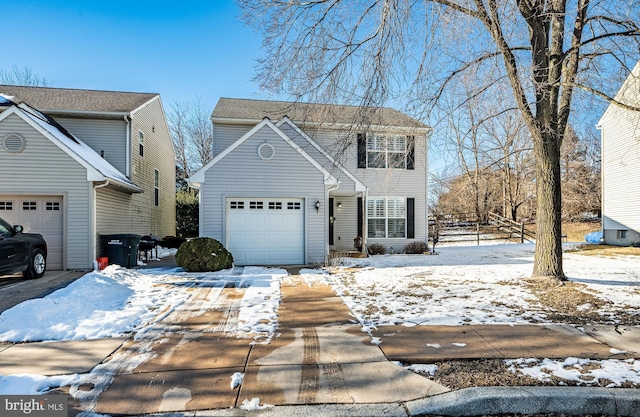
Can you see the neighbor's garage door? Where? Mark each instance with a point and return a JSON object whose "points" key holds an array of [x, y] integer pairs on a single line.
{"points": [[38, 214], [265, 231]]}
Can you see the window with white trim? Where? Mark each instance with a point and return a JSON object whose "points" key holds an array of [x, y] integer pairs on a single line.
{"points": [[156, 187], [141, 142], [386, 217], [386, 151]]}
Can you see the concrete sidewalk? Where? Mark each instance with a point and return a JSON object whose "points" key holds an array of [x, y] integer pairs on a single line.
{"points": [[319, 362]]}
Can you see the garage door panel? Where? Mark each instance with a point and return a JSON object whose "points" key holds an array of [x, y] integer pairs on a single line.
{"points": [[263, 231], [38, 214]]}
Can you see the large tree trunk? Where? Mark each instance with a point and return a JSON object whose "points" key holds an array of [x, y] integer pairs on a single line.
{"points": [[548, 256]]}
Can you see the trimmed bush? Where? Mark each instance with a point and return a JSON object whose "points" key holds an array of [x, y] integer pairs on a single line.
{"points": [[416, 248], [203, 254], [377, 249]]}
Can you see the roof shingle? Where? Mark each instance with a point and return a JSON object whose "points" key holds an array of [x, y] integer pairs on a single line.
{"points": [[69, 100], [256, 110]]}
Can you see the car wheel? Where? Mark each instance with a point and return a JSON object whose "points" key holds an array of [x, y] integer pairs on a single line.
{"points": [[37, 265]]}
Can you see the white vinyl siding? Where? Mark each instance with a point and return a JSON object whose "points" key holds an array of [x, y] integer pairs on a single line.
{"points": [[381, 183], [287, 175], [620, 130], [159, 155], [57, 175], [106, 137]]}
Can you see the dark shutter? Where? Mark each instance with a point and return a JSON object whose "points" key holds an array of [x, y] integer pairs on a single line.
{"points": [[362, 150], [411, 152], [411, 228], [331, 221], [360, 216]]}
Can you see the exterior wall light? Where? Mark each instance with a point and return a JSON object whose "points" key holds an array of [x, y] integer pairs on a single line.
{"points": [[317, 206], [339, 204]]}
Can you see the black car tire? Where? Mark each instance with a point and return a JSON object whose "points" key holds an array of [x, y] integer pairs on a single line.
{"points": [[37, 265]]}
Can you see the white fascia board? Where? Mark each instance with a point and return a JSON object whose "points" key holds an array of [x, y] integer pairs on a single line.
{"points": [[199, 176], [359, 186]]}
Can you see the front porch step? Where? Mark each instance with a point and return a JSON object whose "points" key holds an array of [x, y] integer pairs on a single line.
{"points": [[347, 254]]}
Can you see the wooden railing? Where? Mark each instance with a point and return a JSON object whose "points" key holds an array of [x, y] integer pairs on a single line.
{"points": [[515, 229]]}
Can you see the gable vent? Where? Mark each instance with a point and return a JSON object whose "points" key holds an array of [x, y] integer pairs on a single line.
{"points": [[13, 143], [266, 151]]}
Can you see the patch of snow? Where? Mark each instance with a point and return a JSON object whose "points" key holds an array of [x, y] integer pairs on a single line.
{"points": [[459, 344], [580, 371], [425, 368], [253, 405], [236, 380]]}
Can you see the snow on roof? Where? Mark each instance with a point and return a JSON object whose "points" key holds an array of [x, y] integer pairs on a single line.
{"points": [[79, 148]]}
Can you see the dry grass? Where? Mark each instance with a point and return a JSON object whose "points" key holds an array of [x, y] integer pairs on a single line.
{"points": [[571, 303], [576, 231], [606, 250]]}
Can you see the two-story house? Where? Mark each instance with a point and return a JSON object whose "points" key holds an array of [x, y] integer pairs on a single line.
{"points": [[78, 164], [620, 160], [290, 182]]}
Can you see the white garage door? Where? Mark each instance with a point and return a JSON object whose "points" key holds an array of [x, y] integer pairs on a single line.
{"points": [[265, 231], [38, 214]]}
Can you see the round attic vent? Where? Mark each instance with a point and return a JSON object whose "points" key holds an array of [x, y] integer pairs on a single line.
{"points": [[13, 143], [266, 151]]}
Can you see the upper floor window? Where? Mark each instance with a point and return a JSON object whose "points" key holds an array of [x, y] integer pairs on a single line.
{"points": [[156, 187], [141, 142], [386, 151]]}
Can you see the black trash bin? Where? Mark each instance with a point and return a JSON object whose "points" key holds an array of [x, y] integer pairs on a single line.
{"points": [[122, 249]]}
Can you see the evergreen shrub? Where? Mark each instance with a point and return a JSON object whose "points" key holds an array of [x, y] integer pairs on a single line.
{"points": [[203, 254]]}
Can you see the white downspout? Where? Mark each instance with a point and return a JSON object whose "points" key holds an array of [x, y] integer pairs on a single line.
{"points": [[426, 187], [94, 217], [129, 149]]}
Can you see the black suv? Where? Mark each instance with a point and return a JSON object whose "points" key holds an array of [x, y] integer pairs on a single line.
{"points": [[21, 252]]}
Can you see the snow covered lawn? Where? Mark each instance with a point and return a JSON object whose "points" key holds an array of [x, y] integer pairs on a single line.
{"points": [[477, 285]]}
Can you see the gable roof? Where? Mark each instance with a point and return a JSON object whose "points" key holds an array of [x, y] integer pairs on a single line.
{"points": [[248, 110], [628, 94], [199, 176], [359, 185], [98, 169], [69, 101]]}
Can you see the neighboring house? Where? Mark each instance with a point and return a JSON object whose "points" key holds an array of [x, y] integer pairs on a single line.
{"points": [[290, 182], [620, 159], [78, 164]]}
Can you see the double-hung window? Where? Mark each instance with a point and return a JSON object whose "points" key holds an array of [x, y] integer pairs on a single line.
{"points": [[387, 217], [386, 151]]}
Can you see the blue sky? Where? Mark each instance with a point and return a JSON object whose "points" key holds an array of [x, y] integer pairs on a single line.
{"points": [[181, 50]]}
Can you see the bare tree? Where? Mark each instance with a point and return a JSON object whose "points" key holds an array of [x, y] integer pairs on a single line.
{"points": [[374, 51], [192, 134], [22, 76]]}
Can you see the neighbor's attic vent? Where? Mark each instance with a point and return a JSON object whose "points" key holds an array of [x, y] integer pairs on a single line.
{"points": [[13, 143]]}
